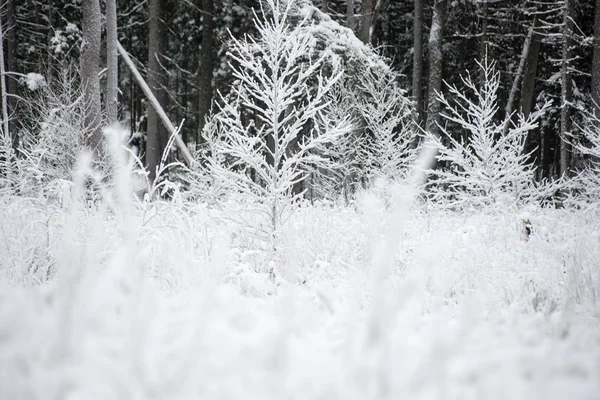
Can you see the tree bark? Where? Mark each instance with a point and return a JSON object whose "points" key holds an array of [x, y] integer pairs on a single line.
{"points": [[90, 69], [435, 67], [4, 98], [566, 90], [518, 75], [367, 22], [112, 61], [11, 66], [530, 74], [483, 39], [350, 20], [417, 83], [205, 73], [596, 62], [157, 135]]}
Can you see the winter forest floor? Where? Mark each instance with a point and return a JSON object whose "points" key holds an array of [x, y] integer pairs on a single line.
{"points": [[175, 301]]}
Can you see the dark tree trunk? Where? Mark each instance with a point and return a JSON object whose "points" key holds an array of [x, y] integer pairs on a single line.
{"points": [[205, 73], [516, 85], [10, 29], [596, 62], [366, 22], [483, 40], [50, 56], [112, 62], [526, 103], [566, 90], [530, 74], [90, 58], [350, 20], [417, 83], [435, 67], [157, 135]]}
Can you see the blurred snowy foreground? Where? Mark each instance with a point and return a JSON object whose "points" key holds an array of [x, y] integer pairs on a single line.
{"points": [[179, 300]]}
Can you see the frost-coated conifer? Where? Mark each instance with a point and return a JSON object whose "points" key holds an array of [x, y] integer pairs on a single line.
{"points": [[387, 114], [485, 166], [585, 185], [274, 125]]}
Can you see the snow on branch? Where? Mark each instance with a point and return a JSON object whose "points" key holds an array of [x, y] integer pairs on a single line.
{"points": [[483, 161]]}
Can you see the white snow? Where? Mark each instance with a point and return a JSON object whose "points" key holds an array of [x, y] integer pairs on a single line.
{"points": [[33, 81], [368, 301]]}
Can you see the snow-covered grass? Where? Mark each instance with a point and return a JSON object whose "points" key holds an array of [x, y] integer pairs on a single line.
{"points": [[373, 300]]}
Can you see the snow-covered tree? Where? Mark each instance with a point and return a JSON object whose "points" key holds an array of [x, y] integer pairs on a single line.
{"points": [[585, 185], [387, 114], [274, 123], [488, 163]]}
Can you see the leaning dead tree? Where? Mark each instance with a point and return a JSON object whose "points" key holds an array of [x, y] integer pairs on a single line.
{"points": [[187, 156]]}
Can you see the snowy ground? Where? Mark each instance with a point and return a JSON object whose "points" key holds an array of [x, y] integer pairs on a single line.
{"points": [[175, 302]]}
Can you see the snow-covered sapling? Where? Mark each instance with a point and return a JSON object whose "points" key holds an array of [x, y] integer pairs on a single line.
{"points": [[274, 122], [487, 164]]}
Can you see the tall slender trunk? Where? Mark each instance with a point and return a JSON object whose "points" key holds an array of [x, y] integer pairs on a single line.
{"points": [[366, 22], [518, 76], [205, 72], [530, 73], [436, 39], [4, 98], [112, 61], [483, 40], [350, 20], [566, 90], [90, 58], [526, 103], [417, 83], [156, 134], [596, 62], [50, 56], [10, 31]]}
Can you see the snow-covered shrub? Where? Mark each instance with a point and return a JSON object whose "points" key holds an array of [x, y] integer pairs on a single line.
{"points": [[487, 164], [387, 115], [369, 96], [583, 189], [52, 137], [274, 123]]}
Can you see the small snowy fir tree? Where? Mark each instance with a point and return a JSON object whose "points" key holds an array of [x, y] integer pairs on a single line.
{"points": [[387, 114], [585, 185], [487, 165], [274, 122]]}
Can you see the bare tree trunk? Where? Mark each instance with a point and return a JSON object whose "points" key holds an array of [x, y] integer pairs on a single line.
{"points": [[157, 135], [417, 83], [366, 22], [526, 103], [5, 131], [112, 61], [205, 72], [350, 20], [566, 91], [530, 74], [436, 39], [11, 66], [596, 62], [518, 75], [90, 57], [483, 39], [50, 70]]}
